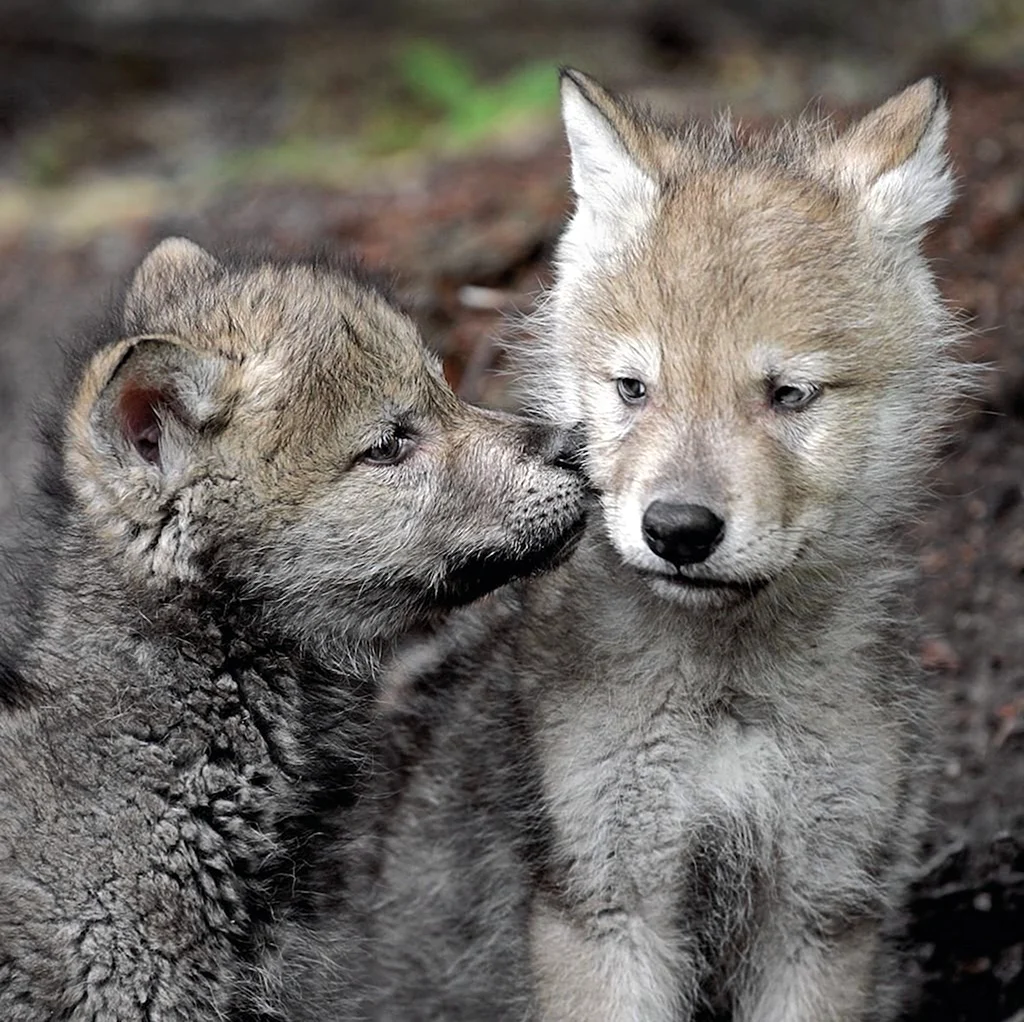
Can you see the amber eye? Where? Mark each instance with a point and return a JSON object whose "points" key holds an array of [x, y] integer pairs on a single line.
{"points": [[630, 390], [389, 450], [793, 397]]}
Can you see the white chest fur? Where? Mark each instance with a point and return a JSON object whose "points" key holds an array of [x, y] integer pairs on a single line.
{"points": [[638, 783], [635, 774]]}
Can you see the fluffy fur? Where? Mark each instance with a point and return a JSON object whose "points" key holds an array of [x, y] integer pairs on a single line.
{"points": [[261, 482], [690, 784]]}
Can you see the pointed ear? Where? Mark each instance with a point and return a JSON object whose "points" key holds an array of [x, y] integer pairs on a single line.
{"points": [[615, 194], [895, 157], [174, 267], [136, 428]]}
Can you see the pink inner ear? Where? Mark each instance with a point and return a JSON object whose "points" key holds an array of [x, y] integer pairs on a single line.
{"points": [[140, 421]]}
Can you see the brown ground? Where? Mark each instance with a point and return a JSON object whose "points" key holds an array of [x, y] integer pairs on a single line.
{"points": [[469, 239]]}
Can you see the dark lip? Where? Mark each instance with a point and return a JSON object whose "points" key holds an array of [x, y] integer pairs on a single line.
{"points": [[713, 584], [489, 570], [560, 550]]}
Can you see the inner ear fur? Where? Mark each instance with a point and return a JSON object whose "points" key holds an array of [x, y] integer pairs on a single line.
{"points": [[143, 403], [895, 159], [892, 133]]}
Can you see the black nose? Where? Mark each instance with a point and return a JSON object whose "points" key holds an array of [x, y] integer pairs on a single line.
{"points": [[682, 533], [565, 449]]}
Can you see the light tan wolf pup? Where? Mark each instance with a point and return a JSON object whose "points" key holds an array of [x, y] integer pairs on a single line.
{"points": [[719, 743], [736, 775]]}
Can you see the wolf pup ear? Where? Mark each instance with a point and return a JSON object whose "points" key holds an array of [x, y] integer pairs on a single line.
{"points": [[158, 398], [137, 430], [615, 195], [896, 159], [175, 267]]}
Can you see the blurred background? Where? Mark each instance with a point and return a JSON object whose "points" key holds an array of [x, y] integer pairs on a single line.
{"points": [[425, 135]]}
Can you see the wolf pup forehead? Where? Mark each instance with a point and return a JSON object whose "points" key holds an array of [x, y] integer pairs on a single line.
{"points": [[735, 298]]}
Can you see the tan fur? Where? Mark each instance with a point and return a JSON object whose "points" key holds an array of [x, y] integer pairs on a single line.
{"points": [[682, 755], [888, 136]]}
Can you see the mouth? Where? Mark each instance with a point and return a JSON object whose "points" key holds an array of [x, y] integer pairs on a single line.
{"points": [[488, 570], [741, 589]]}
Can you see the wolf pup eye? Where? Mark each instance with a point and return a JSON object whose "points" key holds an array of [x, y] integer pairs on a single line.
{"points": [[793, 397], [389, 450], [631, 391]]}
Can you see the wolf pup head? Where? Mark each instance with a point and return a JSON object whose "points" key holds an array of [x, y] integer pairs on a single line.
{"points": [[279, 430], [750, 335]]}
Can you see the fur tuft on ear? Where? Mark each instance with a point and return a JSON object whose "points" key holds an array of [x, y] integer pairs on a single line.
{"points": [[895, 158], [139, 409], [138, 430], [175, 267], [615, 194]]}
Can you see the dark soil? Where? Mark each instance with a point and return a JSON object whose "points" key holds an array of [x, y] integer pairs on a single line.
{"points": [[968, 909], [469, 240]]}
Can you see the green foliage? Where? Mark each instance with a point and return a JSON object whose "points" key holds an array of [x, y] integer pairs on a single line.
{"points": [[50, 154], [467, 108], [996, 33], [434, 101]]}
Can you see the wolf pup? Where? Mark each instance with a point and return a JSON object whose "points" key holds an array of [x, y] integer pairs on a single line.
{"points": [[728, 741], [736, 779], [262, 481]]}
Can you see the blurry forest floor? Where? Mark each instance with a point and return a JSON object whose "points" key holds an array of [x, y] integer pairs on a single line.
{"points": [[99, 160]]}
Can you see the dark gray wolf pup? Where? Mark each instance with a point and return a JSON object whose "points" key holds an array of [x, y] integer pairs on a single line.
{"points": [[261, 481]]}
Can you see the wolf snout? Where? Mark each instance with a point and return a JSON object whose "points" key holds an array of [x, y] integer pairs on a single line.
{"points": [[561, 446], [682, 533]]}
